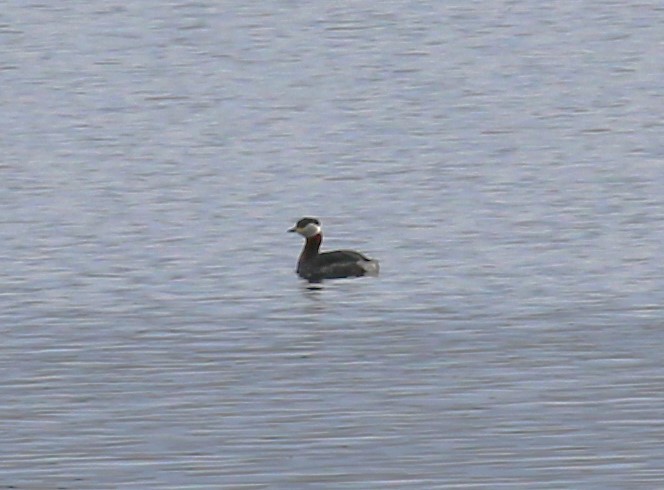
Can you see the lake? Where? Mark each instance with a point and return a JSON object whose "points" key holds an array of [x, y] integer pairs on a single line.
{"points": [[503, 160]]}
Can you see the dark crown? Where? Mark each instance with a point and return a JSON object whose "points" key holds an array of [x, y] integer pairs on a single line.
{"points": [[305, 221]]}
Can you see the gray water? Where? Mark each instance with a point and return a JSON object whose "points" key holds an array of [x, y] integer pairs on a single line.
{"points": [[504, 160]]}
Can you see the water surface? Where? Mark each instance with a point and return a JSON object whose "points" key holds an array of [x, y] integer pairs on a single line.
{"points": [[503, 160]]}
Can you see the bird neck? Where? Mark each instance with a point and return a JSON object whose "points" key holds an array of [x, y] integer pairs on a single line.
{"points": [[311, 247]]}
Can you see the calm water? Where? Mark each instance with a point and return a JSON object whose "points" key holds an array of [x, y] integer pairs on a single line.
{"points": [[504, 160]]}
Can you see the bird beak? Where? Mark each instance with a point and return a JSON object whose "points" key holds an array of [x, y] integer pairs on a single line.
{"points": [[290, 230]]}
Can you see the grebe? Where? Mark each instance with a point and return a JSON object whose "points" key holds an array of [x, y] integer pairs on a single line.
{"points": [[315, 266]]}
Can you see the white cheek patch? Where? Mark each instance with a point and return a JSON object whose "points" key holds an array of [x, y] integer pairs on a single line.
{"points": [[310, 230]]}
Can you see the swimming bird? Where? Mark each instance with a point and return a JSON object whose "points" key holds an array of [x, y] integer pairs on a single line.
{"points": [[315, 266]]}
